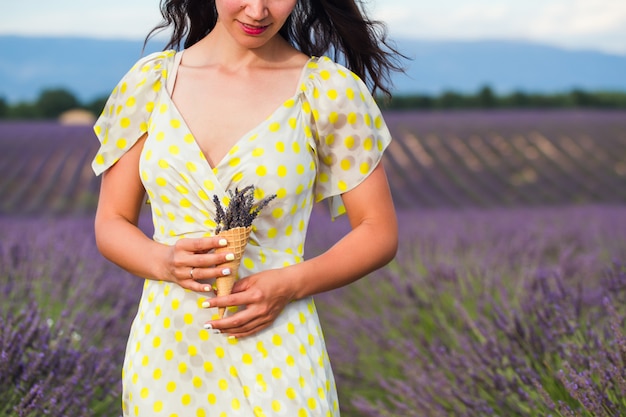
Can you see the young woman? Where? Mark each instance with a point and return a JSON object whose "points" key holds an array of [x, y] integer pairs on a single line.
{"points": [[250, 100]]}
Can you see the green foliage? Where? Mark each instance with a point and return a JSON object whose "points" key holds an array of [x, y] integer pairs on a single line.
{"points": [[486, 98], [51, 103]]}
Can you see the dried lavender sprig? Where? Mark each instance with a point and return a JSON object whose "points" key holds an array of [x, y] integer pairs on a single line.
{"points": [[241, 210]]}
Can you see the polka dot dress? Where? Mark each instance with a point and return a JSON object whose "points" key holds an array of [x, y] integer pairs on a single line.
{"points": [[321, 142]]}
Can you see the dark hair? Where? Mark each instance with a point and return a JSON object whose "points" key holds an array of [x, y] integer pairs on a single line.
{"points": [[338, 28]]}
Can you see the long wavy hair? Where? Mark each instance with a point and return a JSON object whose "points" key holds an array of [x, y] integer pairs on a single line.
{"points": [[338, 28]]}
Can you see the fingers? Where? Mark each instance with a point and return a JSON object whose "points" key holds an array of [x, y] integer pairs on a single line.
{"points": [[202, 244]]}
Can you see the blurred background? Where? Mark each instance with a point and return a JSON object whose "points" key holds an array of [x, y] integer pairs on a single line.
{"points": [[508, 170]]}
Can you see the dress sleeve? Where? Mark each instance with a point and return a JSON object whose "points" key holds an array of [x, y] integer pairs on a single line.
{"points": [[348, 130], [128, 109]]}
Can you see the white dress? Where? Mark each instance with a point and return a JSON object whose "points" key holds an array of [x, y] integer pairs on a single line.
{"points": [[321, 142]]}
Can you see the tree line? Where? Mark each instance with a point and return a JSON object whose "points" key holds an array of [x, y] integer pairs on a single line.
{"points": [[51, 103]]}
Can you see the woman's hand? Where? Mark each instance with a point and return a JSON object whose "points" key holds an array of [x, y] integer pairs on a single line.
{"points": [[264, 295], [192, 260]]}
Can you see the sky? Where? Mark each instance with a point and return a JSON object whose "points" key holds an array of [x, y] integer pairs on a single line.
{"points": [[574, 24]]}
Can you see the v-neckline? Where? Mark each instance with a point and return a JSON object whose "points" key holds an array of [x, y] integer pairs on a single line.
{"points": [[173, 73]]}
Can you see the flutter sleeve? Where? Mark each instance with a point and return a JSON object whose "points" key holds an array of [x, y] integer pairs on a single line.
{"points": [[127, 112], [348, 130]]}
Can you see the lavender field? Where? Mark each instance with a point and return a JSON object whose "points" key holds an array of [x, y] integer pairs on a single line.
{"points": [[507, 296]]}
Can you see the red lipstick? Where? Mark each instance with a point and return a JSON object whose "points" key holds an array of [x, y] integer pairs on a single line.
{"points": [[253, 30]]}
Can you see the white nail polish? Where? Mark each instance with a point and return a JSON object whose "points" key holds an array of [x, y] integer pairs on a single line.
{"points": [[226, 271], [208, 326], [223, 242], [207, 288], [231, 337], [216, 331], [230, 257], [206, 304]]}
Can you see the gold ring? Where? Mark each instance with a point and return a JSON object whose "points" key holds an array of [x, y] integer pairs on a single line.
{"points": [[191, 272]]}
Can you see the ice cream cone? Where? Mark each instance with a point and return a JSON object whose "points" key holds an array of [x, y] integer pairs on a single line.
{"points": [[237, 239]]}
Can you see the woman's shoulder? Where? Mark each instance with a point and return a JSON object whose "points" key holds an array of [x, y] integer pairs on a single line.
{"points": [[154, 61], [323, 73]]}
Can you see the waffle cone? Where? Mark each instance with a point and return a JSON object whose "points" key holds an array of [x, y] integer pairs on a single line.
{"points": [[237, 239]]}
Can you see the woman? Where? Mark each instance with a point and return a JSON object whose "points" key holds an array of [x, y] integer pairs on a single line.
{"points": [[249, 101]]}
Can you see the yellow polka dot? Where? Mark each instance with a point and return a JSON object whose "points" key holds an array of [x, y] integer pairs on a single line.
{"points": [[171, 386], [282, 171], [277, 340], [144, 393], [174, 150], [211, 398], [186, 399], [167, 322], [157, 374], [145, 360], [175, 304], [208, 367], [261, 348], [191, 167], [274, 127], [125, 122], [175, 123], [345, 164], [281, 193], [99, 159], [364, 168], [197, 381], [276, 406], [350, 93], [156, 342], [192, 350], [378, 122], [188, 318], [248, 263], [257, 152], [247, 359], [291, 393], [223, 384], [121, 143], [169, 354], [349, 142], [182, 367], [277, 373], [280, 147], [235, 404], [219, 351], [261, 171], [332, 94], [188, 138], [290, 360], [353, 118], [209, 185], [200, 413]]}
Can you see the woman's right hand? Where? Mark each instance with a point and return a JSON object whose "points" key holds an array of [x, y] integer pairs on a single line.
{"points": [[193, 260]]}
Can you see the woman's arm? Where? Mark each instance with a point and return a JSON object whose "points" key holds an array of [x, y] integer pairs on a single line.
{"points": [[122, 242], [370, 244]]}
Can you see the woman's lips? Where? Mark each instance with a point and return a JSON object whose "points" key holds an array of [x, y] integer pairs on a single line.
{"points": [[253, 30]]}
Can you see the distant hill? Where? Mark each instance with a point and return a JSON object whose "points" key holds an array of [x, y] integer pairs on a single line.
{"points": [[91, 67]]}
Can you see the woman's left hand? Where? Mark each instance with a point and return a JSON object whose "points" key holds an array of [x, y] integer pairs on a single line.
{"points": [[264, 296]]}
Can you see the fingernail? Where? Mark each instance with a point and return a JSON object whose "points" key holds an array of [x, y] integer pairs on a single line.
{"points": [[206, 304], [226, 271], [230, 257], [222, 242], [231, 337], [208, 288], [208, 326], [216, 331]]}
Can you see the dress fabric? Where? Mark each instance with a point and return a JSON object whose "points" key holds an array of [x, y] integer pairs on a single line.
{"points": [[320, 143]]}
